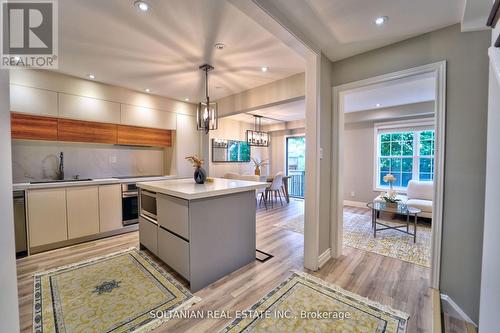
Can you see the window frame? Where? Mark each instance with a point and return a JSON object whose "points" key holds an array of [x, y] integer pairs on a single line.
{"points": [[415, 125]]}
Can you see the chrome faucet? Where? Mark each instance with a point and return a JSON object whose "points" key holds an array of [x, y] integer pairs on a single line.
{"points": [[60, 171]]}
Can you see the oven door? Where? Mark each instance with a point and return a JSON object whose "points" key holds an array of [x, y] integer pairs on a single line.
{"points": [[130, 208], [148, 204]]}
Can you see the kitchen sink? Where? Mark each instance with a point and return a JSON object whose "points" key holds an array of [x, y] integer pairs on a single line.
{"points": [[60, 181]]}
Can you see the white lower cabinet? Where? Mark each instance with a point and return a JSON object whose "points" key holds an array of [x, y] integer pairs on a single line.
{"points": [[46, 212], [110, 207], [174, 251], [148, 234], [83, 211]]}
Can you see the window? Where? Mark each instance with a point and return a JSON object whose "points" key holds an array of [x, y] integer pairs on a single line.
{"points": [[406, 153]]}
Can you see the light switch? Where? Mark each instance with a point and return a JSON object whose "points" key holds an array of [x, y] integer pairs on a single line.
{"points": [[320, 153]]}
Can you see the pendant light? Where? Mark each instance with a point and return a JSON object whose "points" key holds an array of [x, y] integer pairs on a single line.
{"points": [[257, 137], [206, 115]]}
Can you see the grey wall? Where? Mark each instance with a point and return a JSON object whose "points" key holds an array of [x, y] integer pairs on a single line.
{"points": [[39, 160], [467, 89], [359, 145], [9, 314]]}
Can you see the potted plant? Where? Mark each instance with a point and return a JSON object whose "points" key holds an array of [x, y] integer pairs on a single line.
{"points": [[390, 197], [258, 164], [199, 173]]}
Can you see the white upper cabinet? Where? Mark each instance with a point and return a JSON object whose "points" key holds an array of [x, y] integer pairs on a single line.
{"points": [[33, 101], [89, 109], [146, 117]]}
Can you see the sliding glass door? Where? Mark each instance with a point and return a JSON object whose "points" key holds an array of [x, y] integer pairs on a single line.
{"points": [[296, 165]]}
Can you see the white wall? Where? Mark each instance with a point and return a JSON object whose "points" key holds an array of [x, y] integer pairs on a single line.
{"points": [[490, 288], [9, 313], [235, 130]]}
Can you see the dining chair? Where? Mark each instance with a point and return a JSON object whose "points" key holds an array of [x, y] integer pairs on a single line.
{"points": [[275, 188]]}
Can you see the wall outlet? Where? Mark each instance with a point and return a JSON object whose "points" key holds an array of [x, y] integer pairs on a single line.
{"points": [[353, 194], [112, 159]]}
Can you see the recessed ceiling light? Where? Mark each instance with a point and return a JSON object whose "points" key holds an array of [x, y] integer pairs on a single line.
{"points": [[381, 20], [142, 5], [186, 99], [264, 69], [377, 105], [220, 46], [147, 90], [91, 76]]}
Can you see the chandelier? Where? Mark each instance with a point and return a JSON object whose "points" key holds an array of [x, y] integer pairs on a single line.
{"points": [[257, 137], [206, 115]]}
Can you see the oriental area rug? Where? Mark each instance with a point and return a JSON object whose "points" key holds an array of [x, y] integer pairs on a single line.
{"points": [[114, 293], [304, 303]]}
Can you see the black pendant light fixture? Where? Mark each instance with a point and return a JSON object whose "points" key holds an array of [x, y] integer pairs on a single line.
{"points": [[206, 115], [257, 137]]}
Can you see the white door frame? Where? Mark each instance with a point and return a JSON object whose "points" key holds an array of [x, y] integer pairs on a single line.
{"points": [[439, 71]]}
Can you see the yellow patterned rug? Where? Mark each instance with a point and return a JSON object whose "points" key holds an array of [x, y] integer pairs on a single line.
{"points": [[115, 293], [304, 303], [358, 233]]}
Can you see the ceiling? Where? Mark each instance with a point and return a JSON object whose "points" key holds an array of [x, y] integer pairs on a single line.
{"points": [[275, 114], [415, 89], [343, 28], [162, 49]]}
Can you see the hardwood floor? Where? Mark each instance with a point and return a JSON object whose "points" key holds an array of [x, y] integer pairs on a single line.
{"points": [[392, 282]]}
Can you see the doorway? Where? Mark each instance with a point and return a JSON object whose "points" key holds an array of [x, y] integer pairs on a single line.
{"points": [[296, 165], [438, 72]]}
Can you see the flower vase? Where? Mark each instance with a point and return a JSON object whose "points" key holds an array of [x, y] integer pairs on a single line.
{"points": [[257, 170], [200, 175]]}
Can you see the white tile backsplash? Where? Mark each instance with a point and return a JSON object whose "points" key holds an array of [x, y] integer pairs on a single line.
{"points": [[34, 160]]}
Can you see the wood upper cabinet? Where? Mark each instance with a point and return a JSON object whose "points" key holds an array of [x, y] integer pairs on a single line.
{"points": [[33, 127], [84, 131], [139, 136]]}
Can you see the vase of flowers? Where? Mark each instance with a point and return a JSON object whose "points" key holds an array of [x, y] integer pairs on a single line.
{"points": [[258, 164], [200, 175], [390, 197]]}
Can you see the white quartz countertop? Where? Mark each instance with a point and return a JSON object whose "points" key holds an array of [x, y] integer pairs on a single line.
{"points": [[99, 181], [189, 190]]}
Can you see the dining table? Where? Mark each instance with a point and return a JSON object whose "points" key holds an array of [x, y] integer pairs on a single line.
{"points": [[270, 179]]}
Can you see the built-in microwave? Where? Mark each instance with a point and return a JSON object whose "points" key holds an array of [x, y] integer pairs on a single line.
{"points": [[148, 204]]}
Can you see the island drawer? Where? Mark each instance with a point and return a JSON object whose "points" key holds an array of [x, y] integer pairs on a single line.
{"points": [[148, 234], [173, 215], [174, 251]]}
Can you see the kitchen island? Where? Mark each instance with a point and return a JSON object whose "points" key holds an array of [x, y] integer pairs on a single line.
{"points": [[203, 232]]}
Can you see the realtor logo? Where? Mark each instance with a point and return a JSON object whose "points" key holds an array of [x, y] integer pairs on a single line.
{"points": [[29, 34]]}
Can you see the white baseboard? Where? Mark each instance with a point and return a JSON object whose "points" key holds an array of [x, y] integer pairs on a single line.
{"points": [[324, 257], [355, 204], [451, 308]]}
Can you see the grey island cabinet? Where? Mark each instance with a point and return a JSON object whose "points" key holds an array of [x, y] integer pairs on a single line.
{"points": [[203, 232]]}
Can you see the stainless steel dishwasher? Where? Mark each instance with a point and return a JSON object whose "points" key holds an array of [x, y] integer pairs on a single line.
{"points": [[20, 224]]}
